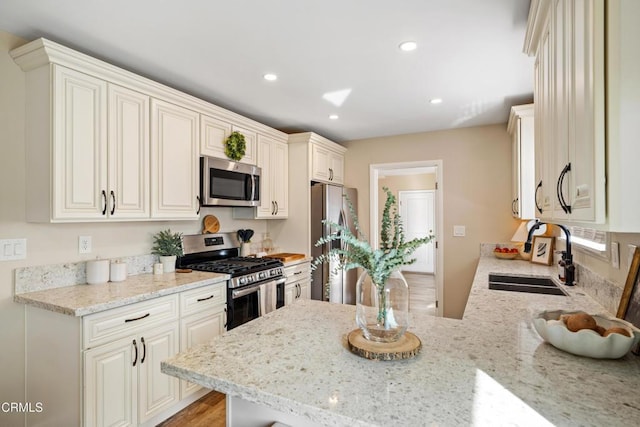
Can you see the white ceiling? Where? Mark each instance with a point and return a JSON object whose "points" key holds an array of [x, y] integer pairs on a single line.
{"points": [[469, 54]]}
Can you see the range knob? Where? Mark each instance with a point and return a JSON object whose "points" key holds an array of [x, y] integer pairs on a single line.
{"points": [[242, 280], [262, 275]]}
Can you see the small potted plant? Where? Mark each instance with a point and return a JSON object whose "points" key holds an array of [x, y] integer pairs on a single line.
{"points": [[168, 246], [382, 294]]}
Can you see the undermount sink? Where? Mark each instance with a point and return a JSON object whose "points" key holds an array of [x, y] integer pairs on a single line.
{"points": [[530, 284]]}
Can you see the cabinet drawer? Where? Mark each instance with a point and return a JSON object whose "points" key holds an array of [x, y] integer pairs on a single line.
{"points": [[110, 325], [297, 272], [204, 298]]}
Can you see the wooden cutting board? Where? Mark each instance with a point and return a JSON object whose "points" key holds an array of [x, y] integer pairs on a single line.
{"points": [[210, 224], [286, 257]]}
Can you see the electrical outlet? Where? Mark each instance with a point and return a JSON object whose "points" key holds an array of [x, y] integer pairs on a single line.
{"points": [[84, 244]]}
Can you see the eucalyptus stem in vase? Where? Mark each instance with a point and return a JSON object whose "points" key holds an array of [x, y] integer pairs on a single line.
{"points": [[382, 293]]}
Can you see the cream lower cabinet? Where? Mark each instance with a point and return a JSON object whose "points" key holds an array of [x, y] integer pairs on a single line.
{"points": [[203, 316], [123, 382], [298, 284], [175, 170], [103, 369]]}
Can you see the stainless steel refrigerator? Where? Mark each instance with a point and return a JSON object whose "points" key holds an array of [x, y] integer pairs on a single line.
{"points": [[328, 203]]}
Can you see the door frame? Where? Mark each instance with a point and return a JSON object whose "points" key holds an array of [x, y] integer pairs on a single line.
{"points": [[374, 174]]}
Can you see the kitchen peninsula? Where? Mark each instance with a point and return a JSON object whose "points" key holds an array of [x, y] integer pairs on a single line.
{"points": [[490, 368]]}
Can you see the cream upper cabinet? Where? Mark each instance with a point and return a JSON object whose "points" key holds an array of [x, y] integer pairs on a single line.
{"points": [[96, 151], [521, 128], [213, 134], [273, 159], [103, 143], [128, 137], [79, 148], [175, 188], [327, 162], [569, 95]]}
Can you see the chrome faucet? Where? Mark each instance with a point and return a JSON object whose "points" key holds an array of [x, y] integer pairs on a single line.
{"points": [[567, 258]]}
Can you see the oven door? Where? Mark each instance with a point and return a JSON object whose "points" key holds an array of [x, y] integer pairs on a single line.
{"points": [[250, 302]]}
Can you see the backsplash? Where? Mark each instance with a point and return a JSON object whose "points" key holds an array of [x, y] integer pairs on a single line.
{"points": [[38, 278], [605, 292]]}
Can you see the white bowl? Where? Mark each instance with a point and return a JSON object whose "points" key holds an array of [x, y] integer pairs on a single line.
{"points": [[586, 342]]}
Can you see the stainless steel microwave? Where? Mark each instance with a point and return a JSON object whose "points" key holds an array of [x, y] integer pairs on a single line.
{"points": [[227, 183]]}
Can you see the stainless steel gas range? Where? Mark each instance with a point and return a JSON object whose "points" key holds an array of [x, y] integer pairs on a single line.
{"points": [[256, 286]]}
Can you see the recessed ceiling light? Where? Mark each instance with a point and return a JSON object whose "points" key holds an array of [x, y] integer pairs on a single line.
{"points": [[408, 46], [436, 101], [270, 77], [333, 116]]}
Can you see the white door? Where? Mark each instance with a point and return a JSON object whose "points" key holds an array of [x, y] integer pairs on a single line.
{"points": [[417, 210]]}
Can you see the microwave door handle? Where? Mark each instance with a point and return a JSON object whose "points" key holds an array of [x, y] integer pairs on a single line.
{"points": [[253, 187]]}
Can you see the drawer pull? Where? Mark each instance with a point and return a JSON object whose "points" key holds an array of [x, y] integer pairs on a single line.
{"points": [[297, 272], [137, 318], [204, 299]]}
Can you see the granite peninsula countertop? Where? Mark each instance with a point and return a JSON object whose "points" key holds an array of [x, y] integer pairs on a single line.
{"points": [[81, 300], [490, 368]]}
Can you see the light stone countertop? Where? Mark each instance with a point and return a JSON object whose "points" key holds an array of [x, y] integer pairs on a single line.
{"points": [[490, 368], [80, 300]]}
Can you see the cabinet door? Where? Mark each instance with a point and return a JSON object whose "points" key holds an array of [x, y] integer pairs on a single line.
{"points": [[586, 106], [319, 163], [545, 187], [560, 48], [280, 178], [128, 193], [174, 161], [110, 384], [157, 391], [250, 138], [290, 293], [267, 206], [213, 134], [336, 168], [197, 329], [305, 289], [80, 145]]}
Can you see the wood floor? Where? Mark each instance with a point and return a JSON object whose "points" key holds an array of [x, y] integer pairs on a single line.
{"points": [[209, 411], [422, 292]]}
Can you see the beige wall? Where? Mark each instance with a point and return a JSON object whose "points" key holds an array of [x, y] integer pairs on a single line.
{"points": [[396, 183], [482, 204], [53, 243]]}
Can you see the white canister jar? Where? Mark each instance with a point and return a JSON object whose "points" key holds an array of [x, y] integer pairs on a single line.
{"points": [[118, 271], [97, 271]]}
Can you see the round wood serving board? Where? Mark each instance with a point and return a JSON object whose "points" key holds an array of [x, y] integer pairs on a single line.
{"points": [[406, 347], [211, 224]]}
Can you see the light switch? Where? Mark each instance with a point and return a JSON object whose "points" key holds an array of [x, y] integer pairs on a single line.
{"points": [[459, 231], [13, 249]]}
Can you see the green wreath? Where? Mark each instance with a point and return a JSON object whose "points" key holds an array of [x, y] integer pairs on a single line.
{"points": [[235, 146]]}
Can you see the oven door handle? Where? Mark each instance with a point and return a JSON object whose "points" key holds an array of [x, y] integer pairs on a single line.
{"points": [[238, 293]]}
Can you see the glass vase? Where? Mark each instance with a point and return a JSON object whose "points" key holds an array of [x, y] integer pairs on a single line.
{"points": [[382, 310]]}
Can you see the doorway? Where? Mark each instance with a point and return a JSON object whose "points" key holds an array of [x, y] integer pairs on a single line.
{"points": [[417, 210], [434, 168]]}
